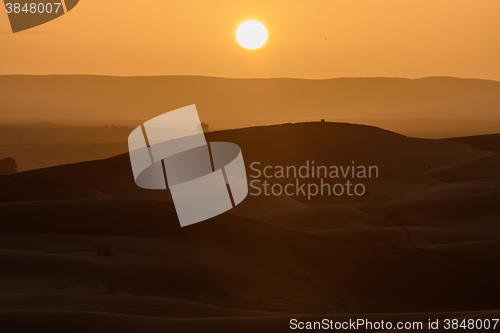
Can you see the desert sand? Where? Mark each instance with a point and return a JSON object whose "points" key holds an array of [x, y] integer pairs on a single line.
{"points": [[83, 249]]}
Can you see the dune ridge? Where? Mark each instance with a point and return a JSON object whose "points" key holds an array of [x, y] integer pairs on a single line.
{"points": [[81, 243]]}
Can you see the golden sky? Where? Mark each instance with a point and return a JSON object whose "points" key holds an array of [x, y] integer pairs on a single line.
{"points": [[307, 39]]}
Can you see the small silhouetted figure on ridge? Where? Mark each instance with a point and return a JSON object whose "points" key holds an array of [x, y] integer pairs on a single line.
{"points": [[322, 120]]}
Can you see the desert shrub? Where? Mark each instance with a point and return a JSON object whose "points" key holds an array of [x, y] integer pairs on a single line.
{"points": [[8, 166]]}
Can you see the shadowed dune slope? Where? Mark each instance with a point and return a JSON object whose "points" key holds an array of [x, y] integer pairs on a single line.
{"points": [[416, 236], [102, 254], [488, 142], [15, 188], [51, 321], [482, 169], [254, 264], [455, 208], [341, 143], [401, 160]]}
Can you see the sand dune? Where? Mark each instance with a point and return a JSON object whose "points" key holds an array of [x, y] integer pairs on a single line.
{"points": [[452, 190], [83, 248], [483, 248], [322, 218], [402, 160], [340, 144], [460, 208], [64, 320], [133, 305], [114, 178], [415, 237], [486, 142], [252, 264], [482, 169], [13, 188]]}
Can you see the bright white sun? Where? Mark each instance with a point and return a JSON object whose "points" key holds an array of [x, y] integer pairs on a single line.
{"points": [[251, 35]]}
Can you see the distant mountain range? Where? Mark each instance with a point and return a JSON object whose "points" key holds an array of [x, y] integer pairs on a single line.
{"points": [[427, 107]]}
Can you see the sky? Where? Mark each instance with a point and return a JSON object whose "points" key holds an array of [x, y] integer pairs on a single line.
{"points": [[312, 39]]}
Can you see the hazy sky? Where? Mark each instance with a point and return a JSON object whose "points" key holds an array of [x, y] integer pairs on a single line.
{"points": [[307, 39]]}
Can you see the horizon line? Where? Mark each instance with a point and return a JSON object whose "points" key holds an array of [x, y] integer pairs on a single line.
{"points": [[258, 78]]}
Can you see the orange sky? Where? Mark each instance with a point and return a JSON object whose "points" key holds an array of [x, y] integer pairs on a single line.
{"points": [[402, 38]]}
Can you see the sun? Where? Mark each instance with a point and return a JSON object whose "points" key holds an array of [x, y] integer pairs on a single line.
{"points": [[251, 35]]}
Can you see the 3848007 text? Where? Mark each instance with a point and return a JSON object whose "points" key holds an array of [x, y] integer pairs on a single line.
{"points": [[33, 8], [471, 324]]}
